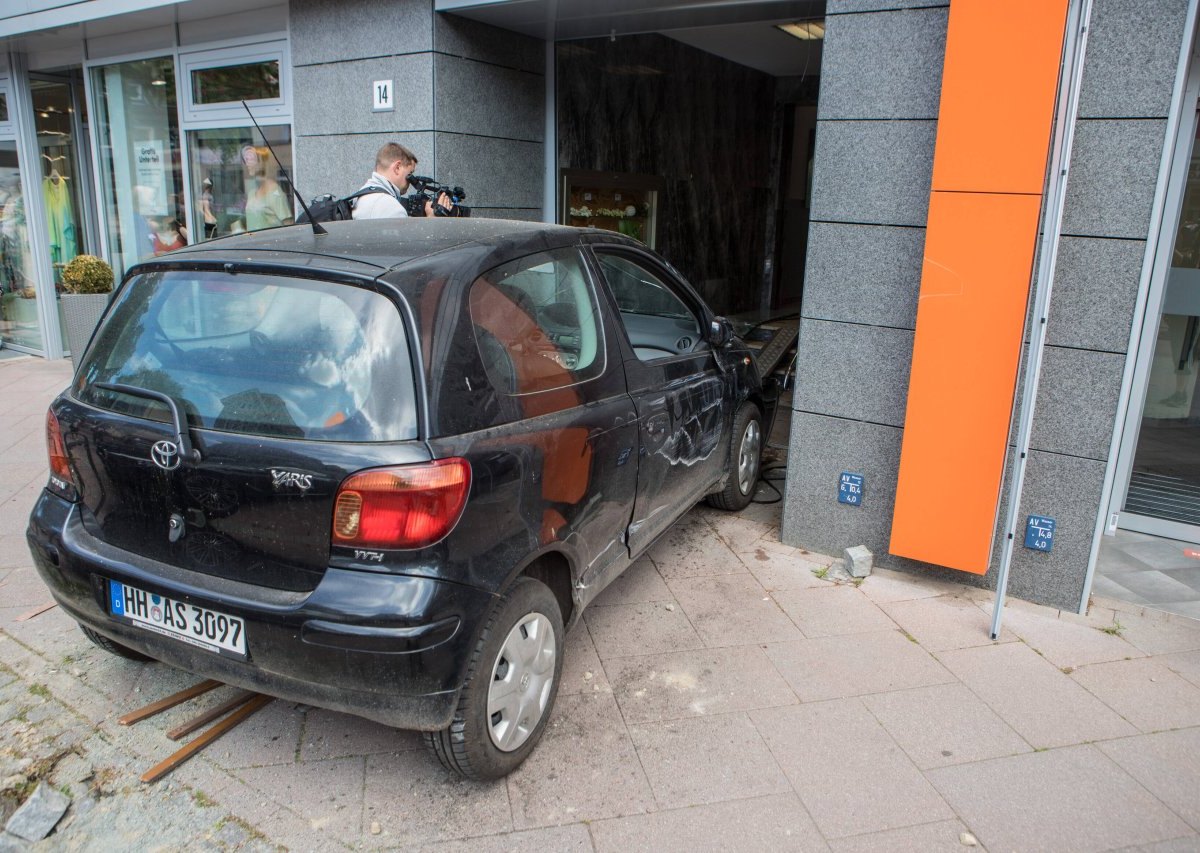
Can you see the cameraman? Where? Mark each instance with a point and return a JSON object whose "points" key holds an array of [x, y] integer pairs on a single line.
{"points": [[393, 164]]}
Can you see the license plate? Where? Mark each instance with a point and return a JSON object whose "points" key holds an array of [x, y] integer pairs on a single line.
{"points": [[199, 626]]}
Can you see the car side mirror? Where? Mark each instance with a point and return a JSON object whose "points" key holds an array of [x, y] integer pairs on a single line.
{"points": [[720, 332]]}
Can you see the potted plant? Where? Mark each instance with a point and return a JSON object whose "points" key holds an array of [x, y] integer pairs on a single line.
{"points": [[87, 283]]}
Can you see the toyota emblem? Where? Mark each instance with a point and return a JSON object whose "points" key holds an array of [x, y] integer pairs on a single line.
{"points": [[165, 454]]}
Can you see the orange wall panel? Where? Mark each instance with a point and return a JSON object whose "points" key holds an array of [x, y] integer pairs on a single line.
{"points": [[974, 288], [998, 88]]}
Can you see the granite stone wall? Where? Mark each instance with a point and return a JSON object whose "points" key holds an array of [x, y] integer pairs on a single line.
{"points": [[470, 100], [877, 121]]}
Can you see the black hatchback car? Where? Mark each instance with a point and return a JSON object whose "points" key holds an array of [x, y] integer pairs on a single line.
{"points": [[383, 469]]}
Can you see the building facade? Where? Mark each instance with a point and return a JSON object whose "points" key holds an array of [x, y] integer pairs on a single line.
{"points": [[813, 173]]}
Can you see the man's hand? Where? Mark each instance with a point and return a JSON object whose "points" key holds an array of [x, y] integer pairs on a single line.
{"points": [[443, 200]]}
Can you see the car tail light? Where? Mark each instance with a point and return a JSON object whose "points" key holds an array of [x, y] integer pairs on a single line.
{"points": [[408, 506], [61, 480]]}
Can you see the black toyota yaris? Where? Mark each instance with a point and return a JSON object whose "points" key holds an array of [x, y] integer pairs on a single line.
{"points": [[383, 469]]}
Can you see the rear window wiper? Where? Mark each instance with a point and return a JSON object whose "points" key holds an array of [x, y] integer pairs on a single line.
{"points": [[186, 449]]}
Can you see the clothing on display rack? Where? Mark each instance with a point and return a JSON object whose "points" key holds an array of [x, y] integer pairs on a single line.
{"points": [[60, 218]]}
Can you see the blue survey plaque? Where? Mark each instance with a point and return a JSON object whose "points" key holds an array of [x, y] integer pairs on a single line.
{"points": [[850, 488], [1039, 533]]}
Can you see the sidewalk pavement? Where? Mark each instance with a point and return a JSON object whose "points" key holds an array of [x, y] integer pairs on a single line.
{"points": [[721, 695]]}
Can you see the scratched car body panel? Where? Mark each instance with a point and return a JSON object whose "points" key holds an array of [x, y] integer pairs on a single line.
{"points": [[364, 445]]}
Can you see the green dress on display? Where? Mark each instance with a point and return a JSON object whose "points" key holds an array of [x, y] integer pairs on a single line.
{"points": [[60, 220]]}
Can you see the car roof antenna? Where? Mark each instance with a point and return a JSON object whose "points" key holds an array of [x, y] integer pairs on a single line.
{"points": [[316, 226]]}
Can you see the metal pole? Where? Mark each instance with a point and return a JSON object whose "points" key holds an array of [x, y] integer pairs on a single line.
{"points": [[1079, 17]]}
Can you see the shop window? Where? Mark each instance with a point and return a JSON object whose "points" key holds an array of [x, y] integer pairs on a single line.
{"points": [[219, 80], [3, 108], [250, 81], [141, 174], [19, 322], [236, 183], [6, 122]]}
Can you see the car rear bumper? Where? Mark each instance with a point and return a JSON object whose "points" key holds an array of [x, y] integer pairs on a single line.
{"points": [[391, 648]]}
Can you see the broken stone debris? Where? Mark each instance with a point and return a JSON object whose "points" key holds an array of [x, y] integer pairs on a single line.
{"points": [[34, 820], [858, 561]]}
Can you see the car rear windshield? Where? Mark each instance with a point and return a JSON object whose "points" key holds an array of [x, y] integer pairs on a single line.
{"points": [[261, 354]]}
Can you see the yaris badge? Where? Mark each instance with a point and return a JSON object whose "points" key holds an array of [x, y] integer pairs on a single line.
{"points": [[165, 454]]}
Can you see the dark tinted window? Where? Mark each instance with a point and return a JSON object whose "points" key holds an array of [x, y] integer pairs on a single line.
{"points": [[536, 324], [265, 355]]}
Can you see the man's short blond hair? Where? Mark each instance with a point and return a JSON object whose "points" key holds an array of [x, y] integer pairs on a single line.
{"points": [[390, 153]]}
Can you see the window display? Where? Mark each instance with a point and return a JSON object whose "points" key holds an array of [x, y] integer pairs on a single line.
{"points": [[141, 169], [19, 324], [236, 182], [624, 203]]}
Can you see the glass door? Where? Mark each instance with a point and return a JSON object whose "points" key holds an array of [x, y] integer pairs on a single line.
{"points": [[1164, 485], [140, 159], [20, 326]]}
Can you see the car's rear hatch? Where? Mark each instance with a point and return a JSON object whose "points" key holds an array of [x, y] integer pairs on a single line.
{"points": [[287, 386]]}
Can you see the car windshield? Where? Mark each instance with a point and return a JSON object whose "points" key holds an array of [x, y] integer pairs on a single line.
{"points": [[260, 354]]}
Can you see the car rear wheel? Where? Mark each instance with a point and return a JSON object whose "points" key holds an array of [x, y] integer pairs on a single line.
{"points": [[112, 647], [745, 460], [511, 685]]}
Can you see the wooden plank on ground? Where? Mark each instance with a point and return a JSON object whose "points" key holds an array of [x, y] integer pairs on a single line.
{"points": [[170, 763], [37, 611], [169, 702], [241, 698]]}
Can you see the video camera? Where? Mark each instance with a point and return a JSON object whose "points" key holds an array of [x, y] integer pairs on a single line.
{"points": [[429, 190]]}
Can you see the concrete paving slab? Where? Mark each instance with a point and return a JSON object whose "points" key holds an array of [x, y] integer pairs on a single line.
{"points": [[1029, 693], [559, 839], [690, 550], [1143, 691], [23, 587], [733, 610], [416, 802], [328, 734], [705, 759], [1063, 800], [945, 622], [776, 570], [942, 836], [1155, 635], [834, 667], [885, 586], [638, 629], [329, 794], [849, 773], [1167, 764], [832, 611], [14, 550], [585, 768], [769, 823], [740, 533], [582, 671], [1186, 664], [692, 684], [1063, 642], [638, 584], [943, 725]]}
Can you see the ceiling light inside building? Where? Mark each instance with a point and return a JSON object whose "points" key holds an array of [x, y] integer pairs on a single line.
{"points": [[158, 82], [805, 30]]}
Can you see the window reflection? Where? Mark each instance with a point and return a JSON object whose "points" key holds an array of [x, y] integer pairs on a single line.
{"points": [[232, 83], [239, 186], [18, 300]]}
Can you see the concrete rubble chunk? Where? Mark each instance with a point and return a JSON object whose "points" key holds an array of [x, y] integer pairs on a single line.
{"points": [[858, 561], [34, 820]]}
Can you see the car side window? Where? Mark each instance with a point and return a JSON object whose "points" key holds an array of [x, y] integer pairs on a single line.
{"points": [[536, 323], [659, 324]]}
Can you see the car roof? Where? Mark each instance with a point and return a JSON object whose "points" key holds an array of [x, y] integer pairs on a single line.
{"points": [[385, 243]]}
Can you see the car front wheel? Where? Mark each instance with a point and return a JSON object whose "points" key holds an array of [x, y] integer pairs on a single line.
{"points": [[511, 685], [745, 459]]}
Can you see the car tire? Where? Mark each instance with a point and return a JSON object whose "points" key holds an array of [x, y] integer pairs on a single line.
{"points": [[112, 647], [745, 460], [526, 623]]}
